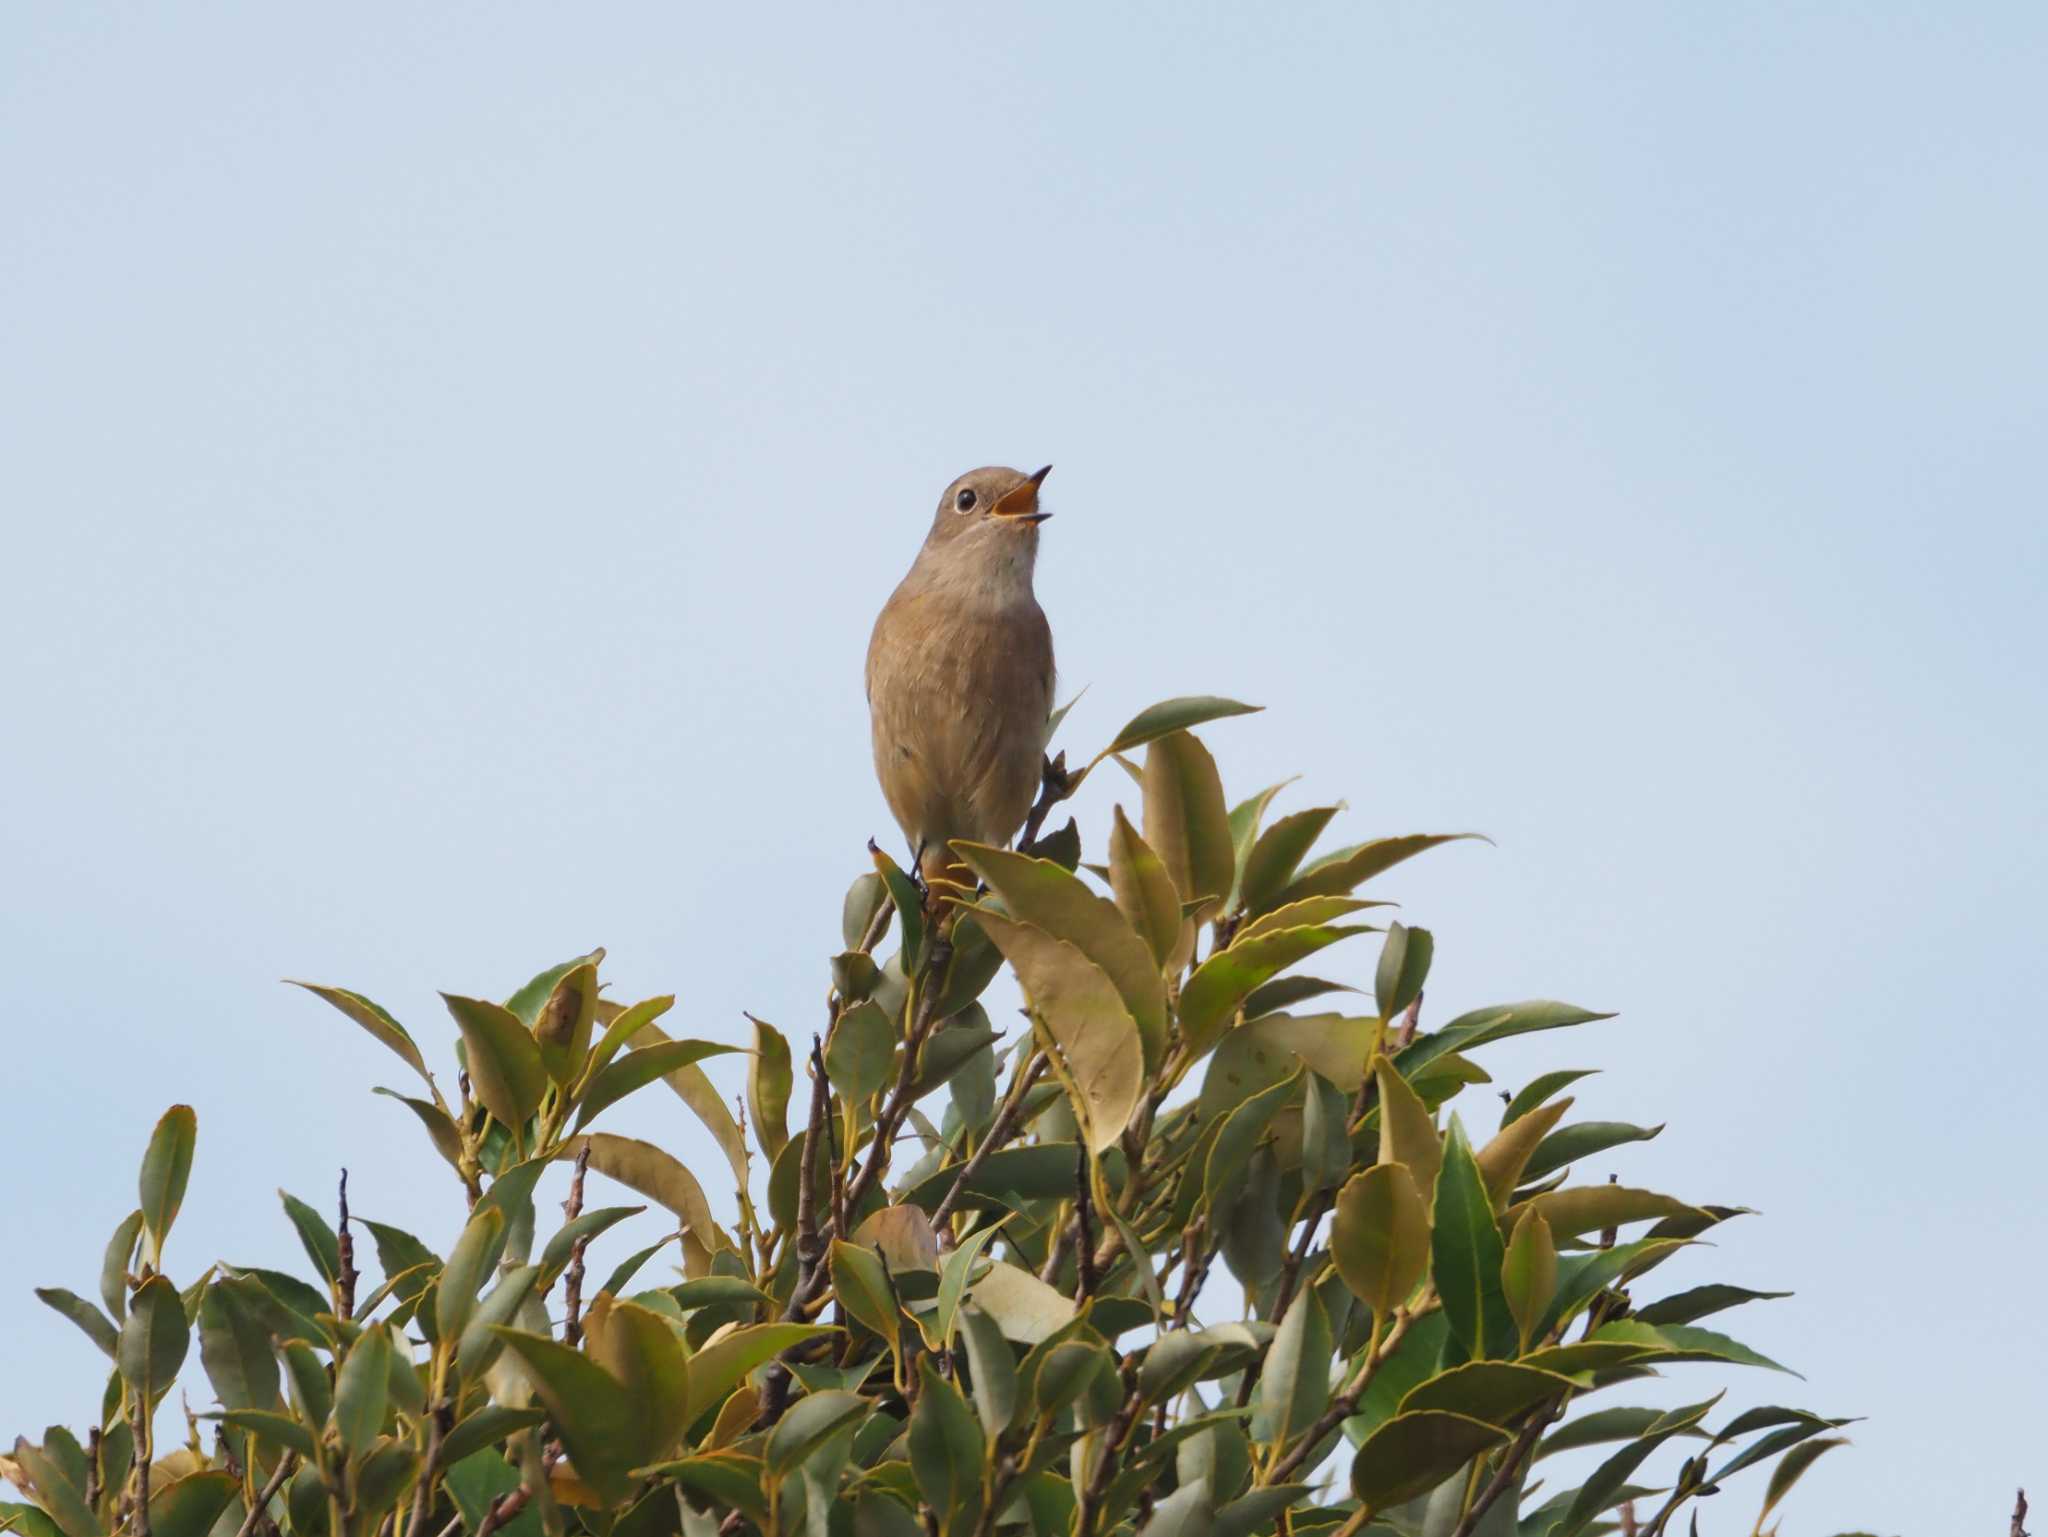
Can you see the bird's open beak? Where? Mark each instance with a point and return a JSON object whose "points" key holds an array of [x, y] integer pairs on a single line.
{"points": [[1021, 500]]}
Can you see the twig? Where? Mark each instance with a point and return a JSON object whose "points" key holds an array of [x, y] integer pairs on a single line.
{"points": [[2019, 1515], [92, 1468], [572, 1285], [1055, 785], [938, 957], [1341, 1406], [810, 1247], [1086, 1250], [999, 1133], [345, 1276], [1090, 1501], [250, 1522], [1504, 1475], [139, 1427], [1406, 1034]]}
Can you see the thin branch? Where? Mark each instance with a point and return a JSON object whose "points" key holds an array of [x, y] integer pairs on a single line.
{"points": [[254, 1519], [572, 1286], [1341, 1406], [999, 1133], [2019, 1515], [345, 1275], [810, 1246], [1504, 1476], [1055, 785], [1082, 1212]]}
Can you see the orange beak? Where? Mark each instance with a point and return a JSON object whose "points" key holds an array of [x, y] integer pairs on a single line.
{"points": [[1021, 500]]}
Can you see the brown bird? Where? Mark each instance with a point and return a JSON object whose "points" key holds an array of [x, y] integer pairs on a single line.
{"points": [[960, 673]]}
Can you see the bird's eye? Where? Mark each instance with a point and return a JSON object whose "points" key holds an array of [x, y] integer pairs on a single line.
{"points": [[964, 501]]}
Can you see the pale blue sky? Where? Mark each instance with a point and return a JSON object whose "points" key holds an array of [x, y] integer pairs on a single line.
{"points": [[452, 455]]}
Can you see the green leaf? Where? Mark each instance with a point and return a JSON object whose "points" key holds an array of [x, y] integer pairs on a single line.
{"points": [[655, 1174], [1585, 1209], [1408, 1134], [1309, 912], [54, 1491], [690, 1084], [1540, 1089], [1700, 1302], [811, 1421], [992, 1368], [281, 1431], [909, 908], [504, 1061], [1254, 1512], [619, 1030], [362, 1391], [1030, 1173], [1791, 1468], [1683, 1342], [315, 1236], [630, 1266], [1494, 1391], [640, 1069], [1598, 1428], [1379, 1236], [1411, 1454], [166, 1166], [562, 1027], [312, 1393], [1171, 715], [1239, 1135], [440, 1127], [85, 1315], [375, 1019], [1185, 821], [1403, 968], [1221, 983], [120, 1254], [1598, 1492], [1582, 1140], [476, 1348], [1144, 892], [1099, 1057], [858, 1056], [1325, 1134], [1270, 862], [1041, 894], [1496, 1023], [189, 1506], [1528, 1275], [1466, 1254], [946, 1448], [236, 1348], [487, 1427], [954, 1276], [717, 1368], [1294, 1388], [1026, 1309], [769, 1079], [862, 1282], [1346, 869], [1187, 1512], [554, 1259], [637, 1349], [864, 898], [600, 1424], [472, 1258], [153, 1340], [525, 1005]]}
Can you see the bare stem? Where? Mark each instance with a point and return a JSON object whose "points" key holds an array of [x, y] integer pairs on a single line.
{"points": [[572, 1285], [264, 1496], [999, 1133], [345, 1276]]}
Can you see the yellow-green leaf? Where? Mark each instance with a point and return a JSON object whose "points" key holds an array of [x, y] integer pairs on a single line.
{"points": [[655, 1174], [769, 1077], [1528, 1274], [562, 1028], [1408, 1134], [1050, 899], [1379, 1235], [166, 1165], [503, 1059], [1144, 891], [1185, 819], [1098, 1054]]}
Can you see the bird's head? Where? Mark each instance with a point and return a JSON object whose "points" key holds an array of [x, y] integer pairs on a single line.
{"points": [[993, 509]]}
